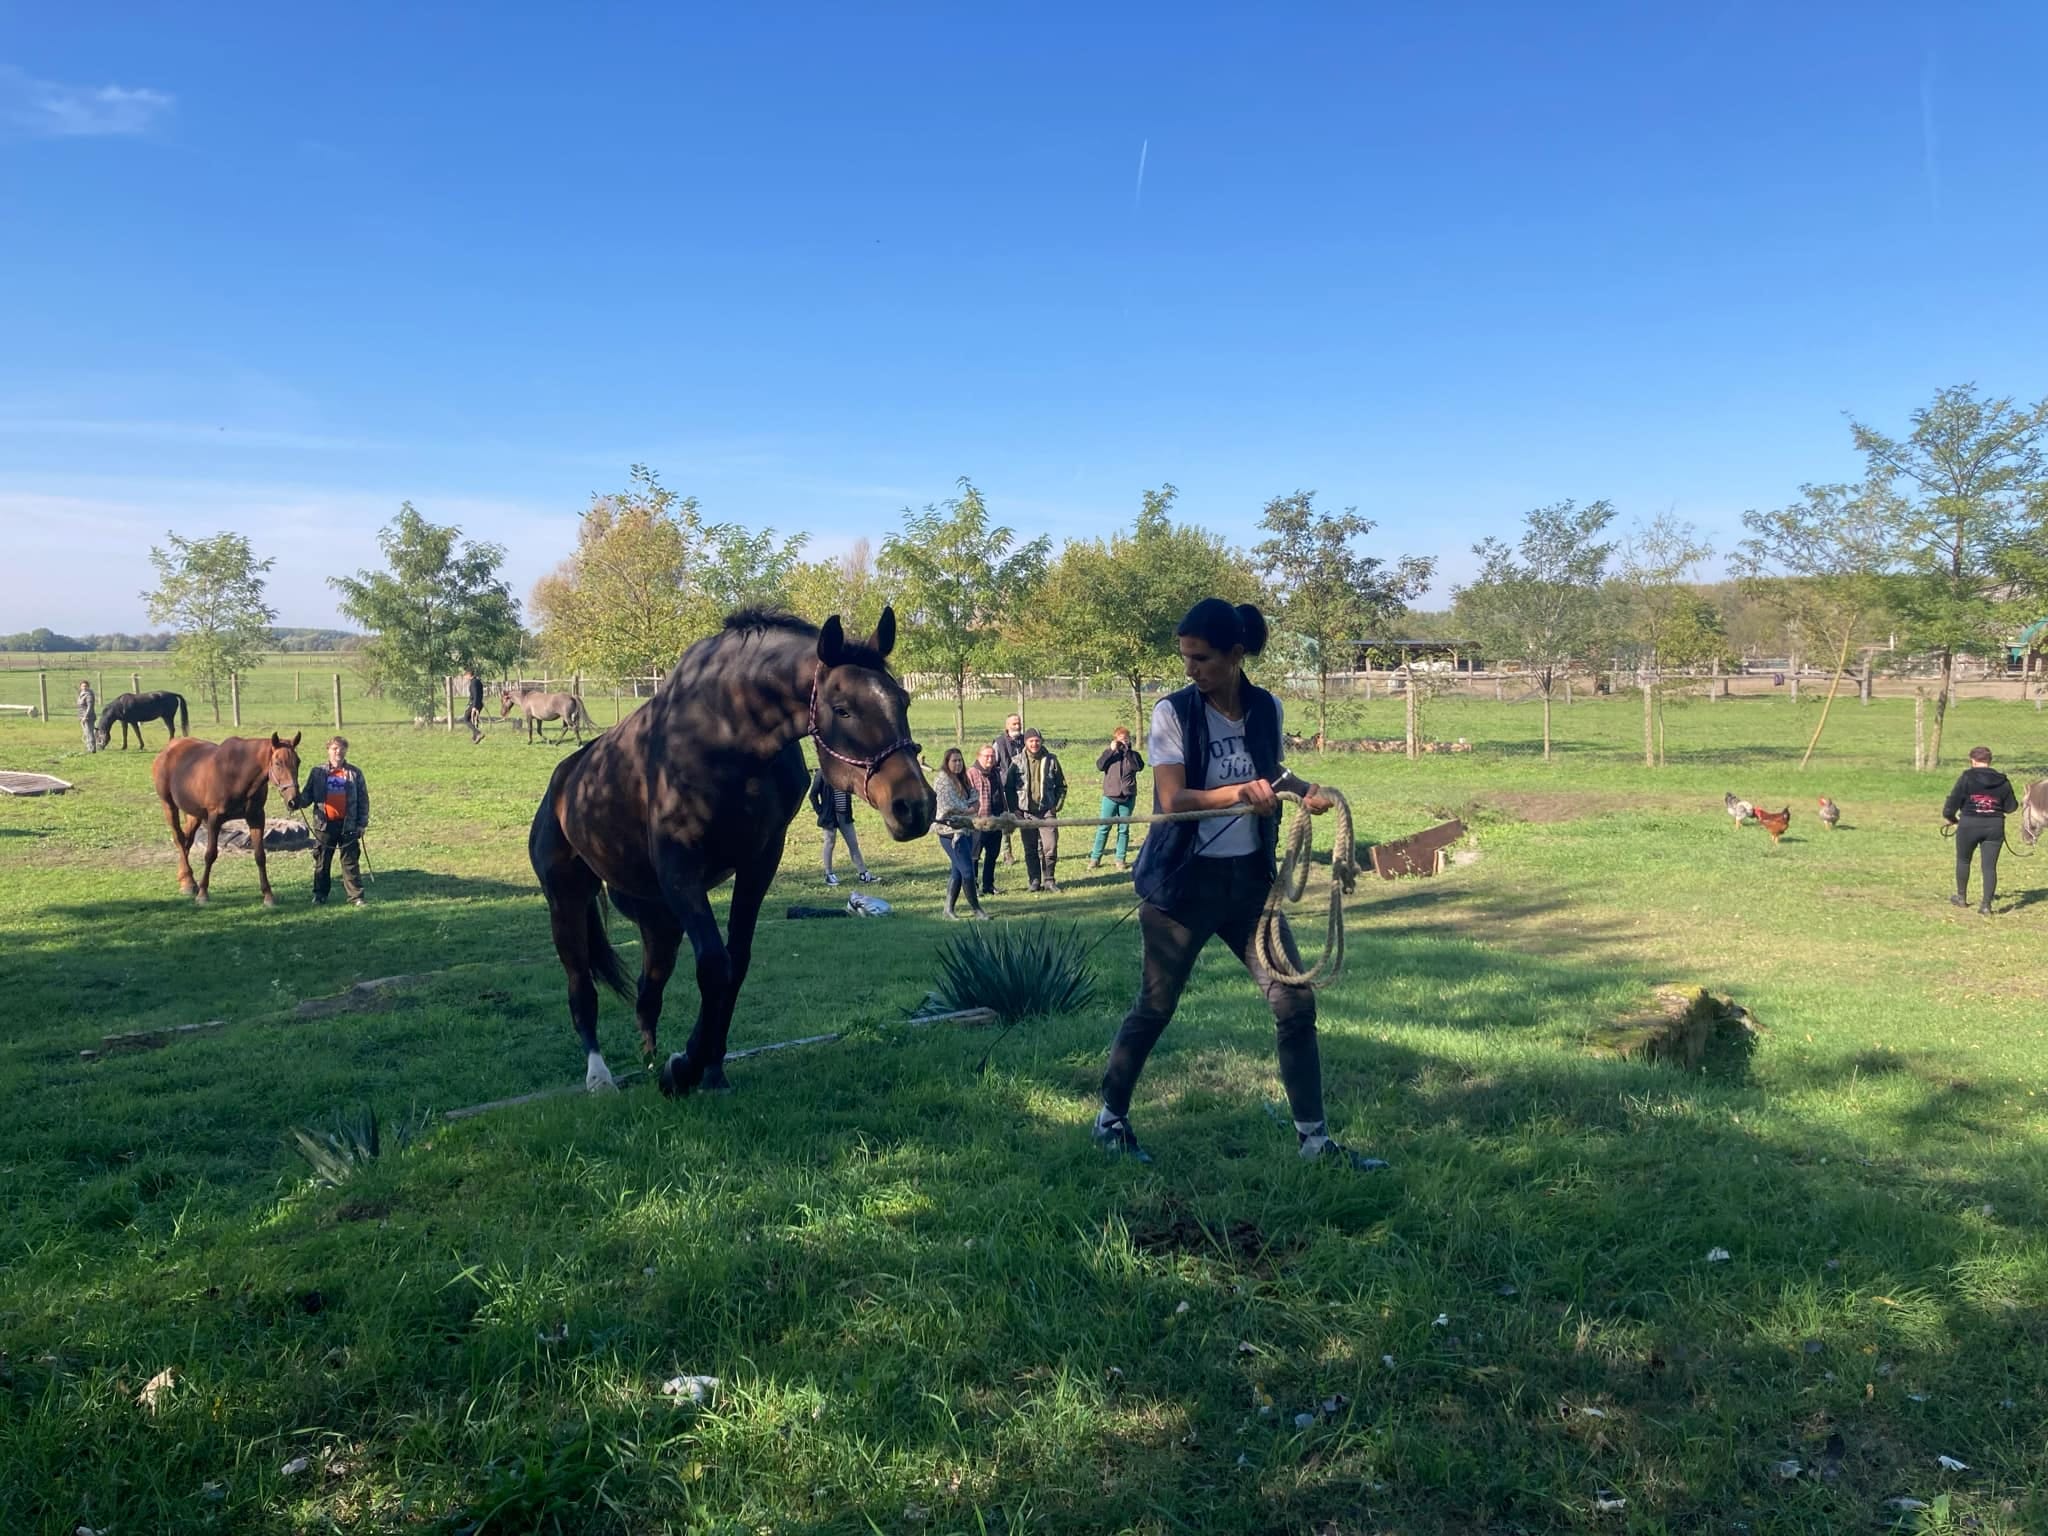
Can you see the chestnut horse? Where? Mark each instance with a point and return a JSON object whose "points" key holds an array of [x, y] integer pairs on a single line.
{"points": [[698, 787], [213, 782]]}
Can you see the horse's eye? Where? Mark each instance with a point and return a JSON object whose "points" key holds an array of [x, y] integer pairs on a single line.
{"points": [[842, 711]]}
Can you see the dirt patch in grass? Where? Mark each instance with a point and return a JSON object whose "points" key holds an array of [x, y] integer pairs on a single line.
{"points": [[1234, 1241]]}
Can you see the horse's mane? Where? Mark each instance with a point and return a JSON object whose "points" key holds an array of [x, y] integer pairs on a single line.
{"points": [[754, 621]]}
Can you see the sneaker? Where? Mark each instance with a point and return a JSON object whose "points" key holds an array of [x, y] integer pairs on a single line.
{"points": [[1037, 886], [355, 901], [1983, 909], [1959, 900], [1095, 863], [1116, 1135], [1332, 1153], [1050, 885], [1122, 865], [869, 877], [831, 879], [982, 917]]}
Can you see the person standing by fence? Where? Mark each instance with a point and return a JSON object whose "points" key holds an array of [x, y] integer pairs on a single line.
{"points": [[476, 707], [1008, 747], [989, 800], [1036, 789], [1120, 765], [89, 714], [834, 808], [958, 797]]}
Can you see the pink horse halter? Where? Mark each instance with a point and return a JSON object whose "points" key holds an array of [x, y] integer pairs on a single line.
{"points": [[866, 765]]}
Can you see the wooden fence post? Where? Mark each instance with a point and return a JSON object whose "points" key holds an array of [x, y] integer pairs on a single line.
{"points": [[295, 687], [43, 693], [135, 681], [337, 701], [235, 697]]}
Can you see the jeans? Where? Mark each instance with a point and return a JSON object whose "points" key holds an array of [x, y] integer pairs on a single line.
{"points": [[1985, 837], [960, 852], [845, 830], [324, 849], [1121, 810], [1224, 902], [991, 850]]}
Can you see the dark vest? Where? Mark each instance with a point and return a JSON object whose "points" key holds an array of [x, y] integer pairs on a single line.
{"points": [[1167, 861]]}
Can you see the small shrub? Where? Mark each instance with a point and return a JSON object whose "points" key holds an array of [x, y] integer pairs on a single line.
{"points": [[1020, 970], [353, 1141]]}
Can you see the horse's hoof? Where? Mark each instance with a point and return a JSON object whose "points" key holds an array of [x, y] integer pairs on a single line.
{"points": [[679, 1075], [199, 898], [597, 1077], [269, 900], [714, 1080]]}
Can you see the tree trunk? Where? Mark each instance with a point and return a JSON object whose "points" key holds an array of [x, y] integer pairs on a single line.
{"points": [[1020, 698], [1138, 710], [1546, 722], [1660, 731], [1567, 691], [1841, 666], [1948, 682], [1322, 711], [1649, 723], [1795, 676], [960, 708], [1919, 732], [213, 693]]}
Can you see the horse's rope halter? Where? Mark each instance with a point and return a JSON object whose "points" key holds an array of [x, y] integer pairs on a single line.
{"points": [[866, 765]]}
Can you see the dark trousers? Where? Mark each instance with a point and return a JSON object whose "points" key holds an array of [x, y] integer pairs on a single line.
{"points": [[1985, 837], [1223, 900], [324, 849], [991, 850], [1041, 851]]}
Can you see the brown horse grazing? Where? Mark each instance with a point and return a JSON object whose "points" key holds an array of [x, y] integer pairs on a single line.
{"points": [[538, 706], [215, 782], [699, 787]]}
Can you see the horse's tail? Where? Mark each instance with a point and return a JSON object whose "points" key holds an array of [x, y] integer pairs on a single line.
{"points": [[184, 716], [547, 848]]}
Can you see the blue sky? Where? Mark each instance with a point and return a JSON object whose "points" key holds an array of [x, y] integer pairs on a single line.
{"points": [[279, 270]]}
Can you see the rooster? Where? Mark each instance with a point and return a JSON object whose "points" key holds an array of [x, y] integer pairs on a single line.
{"points": [[1774, 822], [1830, 813], [1741, 810]]}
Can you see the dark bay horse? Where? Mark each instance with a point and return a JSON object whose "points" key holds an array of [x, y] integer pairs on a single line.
{"points": [[699, 787], [536, 706], [215, 782], [134, 708]]}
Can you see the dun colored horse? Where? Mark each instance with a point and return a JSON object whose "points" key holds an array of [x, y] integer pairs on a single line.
{"points": [[216, 782], [699, 787], [537, 706], [2034, 812], [131, 709]]}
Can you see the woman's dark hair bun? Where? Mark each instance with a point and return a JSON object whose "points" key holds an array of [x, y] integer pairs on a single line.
{"points": [[1220, 626]]}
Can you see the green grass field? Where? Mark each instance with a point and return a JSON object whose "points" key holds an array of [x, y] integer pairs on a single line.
{"points": [[931, 1305]]}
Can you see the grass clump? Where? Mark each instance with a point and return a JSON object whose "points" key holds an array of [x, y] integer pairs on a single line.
{"points": [[1020, 970]]}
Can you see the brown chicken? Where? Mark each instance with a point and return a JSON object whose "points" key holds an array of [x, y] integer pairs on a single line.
{"points": [[1830, 813], [1773, 822]]}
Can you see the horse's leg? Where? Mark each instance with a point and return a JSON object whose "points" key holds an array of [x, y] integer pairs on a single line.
{"points": [[254, 822], [571, 888], [213, 821], [749, 890], [660, 938], [181, 836], [691, 905]]}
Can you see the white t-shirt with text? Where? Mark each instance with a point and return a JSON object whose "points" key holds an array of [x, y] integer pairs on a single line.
{"points": [[1230, 762]]}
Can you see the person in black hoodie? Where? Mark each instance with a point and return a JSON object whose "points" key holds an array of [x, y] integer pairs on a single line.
{"points": [[834, 810], [1977, 808]]}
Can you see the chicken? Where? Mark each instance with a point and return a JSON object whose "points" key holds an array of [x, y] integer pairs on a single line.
{"points": [[1741, 810], [1830, 813], [1774, 822]]}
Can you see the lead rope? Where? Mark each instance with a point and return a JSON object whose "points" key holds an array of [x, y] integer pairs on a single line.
{"points": [[1290, 883]]}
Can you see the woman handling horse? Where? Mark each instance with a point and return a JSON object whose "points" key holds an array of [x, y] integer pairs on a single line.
{"points": [[1216, 744]]}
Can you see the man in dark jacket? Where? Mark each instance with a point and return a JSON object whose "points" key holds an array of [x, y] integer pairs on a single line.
{"points": [[834, 810], [1008, 748], [1037, 788], [476, 708], [1120, 764], [339, 798], [1977, 808]]}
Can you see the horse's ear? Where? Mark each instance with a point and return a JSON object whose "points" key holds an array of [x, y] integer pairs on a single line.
{"points": [[832, 642], [885, 634], [295, 739], [276, 740]]}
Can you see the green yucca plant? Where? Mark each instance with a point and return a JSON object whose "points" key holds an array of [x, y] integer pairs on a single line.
{"points": [[1021, 970], [353, 1141]]}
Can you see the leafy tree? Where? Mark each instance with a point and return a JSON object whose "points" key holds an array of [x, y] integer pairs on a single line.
{"points": [[1115, 603], [848, 586], [649, 576], [955, 576], [1538, 602], [1660, 611], [1824, 564], [211, 592], [1956, 494], [439, 607], [1329, 594]]}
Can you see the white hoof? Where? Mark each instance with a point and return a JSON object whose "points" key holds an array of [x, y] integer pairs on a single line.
{"points": [[597, 1077], [199, 898], [269, 900]]}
